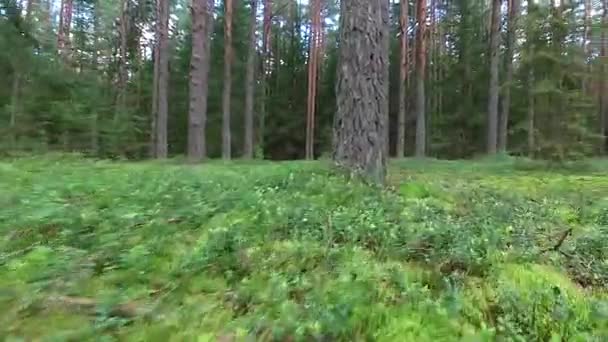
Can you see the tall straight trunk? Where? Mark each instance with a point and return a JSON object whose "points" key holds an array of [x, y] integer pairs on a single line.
{"points": [[362, 88], [154, 112], [531, 114], [420, 79], [604, 79], [199, 75], [492, 120], [513, 6], [95, 66], [15, 107], [65, 24], [266, 46], [403, 70], [121, 98], [227, 93], [250, 82], [162, 27], [587, 35], [313, 56]]}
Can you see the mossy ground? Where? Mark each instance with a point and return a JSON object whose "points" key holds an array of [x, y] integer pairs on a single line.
{"points": [[293, 251]]}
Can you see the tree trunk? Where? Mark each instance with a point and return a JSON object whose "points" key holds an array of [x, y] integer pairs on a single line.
{"points": [[15, 106], [95, 67], [154, 113], [63, 33], [531, 114], [513, 6], [266, 45], [250, 82], [492, 121], [420, 79], [226, 136], [162, 27], [313, 56], [604, 80], [362, 88], [121, 98], [403, 23], [199, 75]]}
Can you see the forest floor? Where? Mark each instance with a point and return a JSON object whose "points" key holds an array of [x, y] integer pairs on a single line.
{"points": [[293, 251]]}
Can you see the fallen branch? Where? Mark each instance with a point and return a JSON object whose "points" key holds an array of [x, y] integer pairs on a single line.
{"points": [[560, 242], [91, 307]]}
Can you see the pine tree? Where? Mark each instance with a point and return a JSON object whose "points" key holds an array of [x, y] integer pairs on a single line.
{"points": [[362, 89]]}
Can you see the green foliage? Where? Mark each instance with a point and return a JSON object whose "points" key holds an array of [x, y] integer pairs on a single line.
{"points": [[292, 251]]}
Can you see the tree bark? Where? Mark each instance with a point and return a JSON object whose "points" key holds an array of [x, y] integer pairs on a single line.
{"points": [[362, 88], [95, 67], [403, 23], [513, 6], [420, 79], [121, 99], [492, 121], [227, 93], [266, 46], [15, 106], [199, 76], [63, 33], [604, 80], [313, 56], [162, 27], [531, 114], [250, 82]]}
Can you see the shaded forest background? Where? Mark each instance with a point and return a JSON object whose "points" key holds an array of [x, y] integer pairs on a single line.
{"points": [[79, 75]]}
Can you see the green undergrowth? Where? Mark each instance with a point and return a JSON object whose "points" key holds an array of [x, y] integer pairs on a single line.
{"points": [[451, 251]]}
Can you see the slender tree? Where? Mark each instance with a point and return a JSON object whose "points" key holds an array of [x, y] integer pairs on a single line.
{"points": [[266, 46], [604, 79], [162, 34], [492, 120], [313, 60], [65, 25], [250, 81], [123, 76], [513, 10], [362, 88], [199, 74], [227, 93], [420, 79], [403, 70]]}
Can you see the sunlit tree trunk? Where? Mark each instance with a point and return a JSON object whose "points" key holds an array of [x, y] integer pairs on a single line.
{"points": [[63, 32], [266, 46], [362, 88]]}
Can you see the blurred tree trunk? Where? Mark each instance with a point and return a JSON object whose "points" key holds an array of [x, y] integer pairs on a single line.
{"points": [[362, 88], [604, 79], [420, 79], [403, 70], [266, 47], [63, 32], [123, 30], [513, 6], [227, 92], [162, 29], [250, 82], [313, 60], [492, 121], [199, 78]]}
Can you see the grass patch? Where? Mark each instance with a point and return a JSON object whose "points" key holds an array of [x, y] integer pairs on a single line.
{"points": [[292, 251]]}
